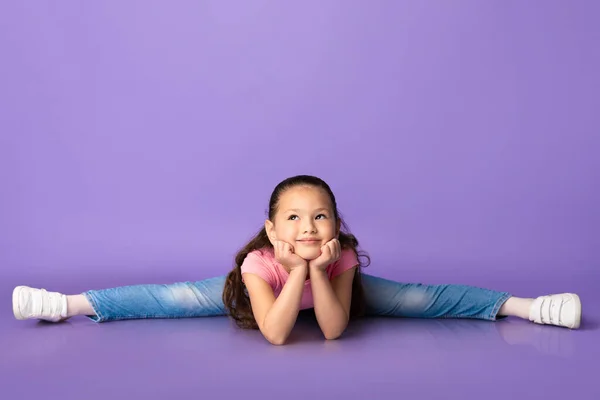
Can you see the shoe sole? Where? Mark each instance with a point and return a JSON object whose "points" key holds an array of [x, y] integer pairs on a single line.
{"points": [[15, 299], [577, 312]]}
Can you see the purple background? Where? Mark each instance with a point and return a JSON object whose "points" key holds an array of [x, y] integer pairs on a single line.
{"points": [[140, 141], [138, 136]]}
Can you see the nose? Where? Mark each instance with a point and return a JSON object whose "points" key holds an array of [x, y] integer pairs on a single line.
{"points": [[309, 226]]}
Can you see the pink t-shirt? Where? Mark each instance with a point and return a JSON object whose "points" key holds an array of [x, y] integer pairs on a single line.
{"points": [[263, 263]]}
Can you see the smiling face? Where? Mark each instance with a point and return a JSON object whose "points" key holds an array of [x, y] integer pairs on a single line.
{"points": [[304, 219]]}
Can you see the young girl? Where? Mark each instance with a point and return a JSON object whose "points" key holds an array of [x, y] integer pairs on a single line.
{"points": [[304, 257]]}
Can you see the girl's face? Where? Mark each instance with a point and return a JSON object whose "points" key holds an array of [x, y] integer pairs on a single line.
{"points": [[305, 220]]}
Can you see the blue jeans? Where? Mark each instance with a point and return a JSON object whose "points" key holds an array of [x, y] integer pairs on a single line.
{"points": [[383, 298]]}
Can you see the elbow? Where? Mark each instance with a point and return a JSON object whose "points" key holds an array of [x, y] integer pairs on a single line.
{"points": [[275, 333], [330, 336], [277, 340], [333, 333], [276, 337]]}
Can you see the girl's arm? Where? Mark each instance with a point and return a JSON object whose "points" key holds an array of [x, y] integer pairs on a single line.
{"points": [[332, 300], [276, 316]]}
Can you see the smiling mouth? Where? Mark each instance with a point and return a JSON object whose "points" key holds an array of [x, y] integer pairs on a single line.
{"points": [[309, 241]]}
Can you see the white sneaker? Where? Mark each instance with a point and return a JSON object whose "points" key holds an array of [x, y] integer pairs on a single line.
{"points": [[557, 309], [39, 304]]}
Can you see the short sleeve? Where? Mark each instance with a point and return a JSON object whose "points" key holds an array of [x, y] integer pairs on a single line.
{"points": [[348, 259], [255, 264]]}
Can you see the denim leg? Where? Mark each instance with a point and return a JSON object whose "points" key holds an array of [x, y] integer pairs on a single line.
{"points": [[177, 300], [395, 299]]}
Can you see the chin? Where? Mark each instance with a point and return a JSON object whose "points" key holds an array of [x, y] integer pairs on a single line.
{"points": [[308, 254]]}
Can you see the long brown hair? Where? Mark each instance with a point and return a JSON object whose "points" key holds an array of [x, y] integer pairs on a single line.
{"points": [[235, 295]]}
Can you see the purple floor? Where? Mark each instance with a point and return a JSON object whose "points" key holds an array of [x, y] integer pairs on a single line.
{"points": [[376, 359]]}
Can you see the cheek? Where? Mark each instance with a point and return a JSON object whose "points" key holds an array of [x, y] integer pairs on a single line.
{"points": [[328, 230], [285, 232]]}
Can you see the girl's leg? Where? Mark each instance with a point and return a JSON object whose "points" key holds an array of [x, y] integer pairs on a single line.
{"points": [[389, 298], [177, 300], [78, 304], [516, 307]]}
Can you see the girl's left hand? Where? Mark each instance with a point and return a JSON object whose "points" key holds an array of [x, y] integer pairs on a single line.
{"points": [[330, 252]]}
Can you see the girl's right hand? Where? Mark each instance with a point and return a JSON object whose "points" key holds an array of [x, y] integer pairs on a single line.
{"points": [[284, 254]]}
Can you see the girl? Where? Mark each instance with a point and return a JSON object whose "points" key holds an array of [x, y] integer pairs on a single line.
{"points": [[304, 257]]}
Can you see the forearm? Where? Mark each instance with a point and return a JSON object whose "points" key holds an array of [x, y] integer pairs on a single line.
{"points": [[331, 315], [282, 315]]}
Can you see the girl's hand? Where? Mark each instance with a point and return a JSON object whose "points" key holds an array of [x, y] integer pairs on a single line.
{"points": [[284, 254], [330, 252]]}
